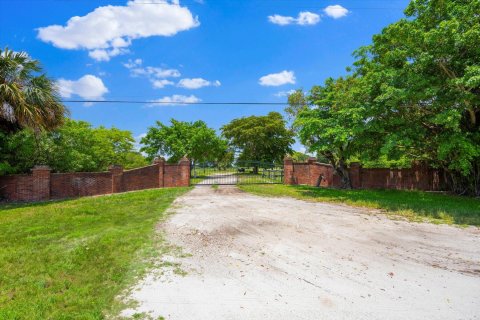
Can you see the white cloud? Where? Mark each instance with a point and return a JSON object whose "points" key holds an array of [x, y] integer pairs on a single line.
{"points": [[88, 87], [336, 11], [304, 18], [196, 83], [162, 83], [281, 94], [109, 30], [155, 75], [176, 99], [281, 20], [308, 18], [277, 79]]}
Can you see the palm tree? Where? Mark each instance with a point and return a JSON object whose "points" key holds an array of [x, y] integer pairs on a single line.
{"points": [[28, 99]]}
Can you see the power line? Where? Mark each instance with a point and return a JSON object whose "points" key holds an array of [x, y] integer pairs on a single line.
{"points": [[175, 102], [264, 2]]}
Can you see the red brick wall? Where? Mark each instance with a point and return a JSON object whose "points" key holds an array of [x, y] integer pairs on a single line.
{"points": [[43, 185], [141, 178], [17, 188], [79, 184], [310, 173], [419, 177], [410, 179], [177, 175]]}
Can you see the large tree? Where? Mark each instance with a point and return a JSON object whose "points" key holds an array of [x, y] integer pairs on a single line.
{"points": [[28, 98], [76, 146], [414, 94], [194, 140], [260, 138], [423, 77], [332, 122]]}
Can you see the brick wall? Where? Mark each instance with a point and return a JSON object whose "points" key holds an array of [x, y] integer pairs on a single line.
{"points": [[44, 185], [418, 177]]}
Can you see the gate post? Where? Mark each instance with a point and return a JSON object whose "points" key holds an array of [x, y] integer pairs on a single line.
{"points": [[184, 165], [355, 175], [160, 162], [117, 173], [41, 183], [288, 177]]}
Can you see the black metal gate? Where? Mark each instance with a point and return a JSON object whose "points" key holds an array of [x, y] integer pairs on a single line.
{"points": [[241, 172]]}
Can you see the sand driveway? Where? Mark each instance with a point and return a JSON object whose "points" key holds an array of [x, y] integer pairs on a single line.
{"points": [[250, 257]]}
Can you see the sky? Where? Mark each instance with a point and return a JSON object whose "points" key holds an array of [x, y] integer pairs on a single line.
{"points": [[189, 51]]}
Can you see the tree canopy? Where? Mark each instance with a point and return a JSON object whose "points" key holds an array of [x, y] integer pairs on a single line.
{"points": [[76, 146], [414, 93], [260, 138], [194, 140], [28, 98]]}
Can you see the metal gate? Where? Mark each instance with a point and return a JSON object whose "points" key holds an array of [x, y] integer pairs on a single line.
{"points": [[241, 172]]}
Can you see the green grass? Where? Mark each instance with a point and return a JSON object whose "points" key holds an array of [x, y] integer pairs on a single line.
{"points": [[414, 205], [70, 259]]}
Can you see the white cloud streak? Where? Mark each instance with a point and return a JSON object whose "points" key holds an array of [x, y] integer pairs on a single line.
{"points": [[197, 83], [174, 100], [336, 11], [304, 18], [157, 76], [282, 94], [88, 87], [277, 79], [108, 31]]}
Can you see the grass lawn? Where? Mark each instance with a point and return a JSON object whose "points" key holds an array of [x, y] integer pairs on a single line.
{"points": [[414, 205], [70, 259]]}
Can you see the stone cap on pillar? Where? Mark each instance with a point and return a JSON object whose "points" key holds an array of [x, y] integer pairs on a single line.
{"points": [[115, 169], [288, 159], [312, 160], [184, 161], [40, 169], [355, 164], [157, 160]]}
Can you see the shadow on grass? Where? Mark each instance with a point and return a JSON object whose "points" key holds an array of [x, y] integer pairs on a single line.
{"points": [[449, 208], [414, 205], [16, 205]]}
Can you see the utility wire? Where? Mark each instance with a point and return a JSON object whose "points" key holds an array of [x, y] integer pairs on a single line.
{"points": [[175, 102]]}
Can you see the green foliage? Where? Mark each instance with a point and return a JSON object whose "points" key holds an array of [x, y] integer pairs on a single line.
{"points": [[299, 156], [412, 205], [260, 138], [414, 95], [193, 140], [331, 126], [70, 259], [28, 98], [75, 146]]}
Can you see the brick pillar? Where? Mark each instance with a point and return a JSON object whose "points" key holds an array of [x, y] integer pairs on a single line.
{"points": [[288, 177], [313, 174], [160, 163], [184, 165], [41, 183], [423, 180], [355, 175], [117, 174]]}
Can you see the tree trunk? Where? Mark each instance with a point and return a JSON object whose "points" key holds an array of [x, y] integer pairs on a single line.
{"points": [[342, 171]]}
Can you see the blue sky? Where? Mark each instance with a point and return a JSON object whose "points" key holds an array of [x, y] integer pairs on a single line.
{"points": [[210, 50]]}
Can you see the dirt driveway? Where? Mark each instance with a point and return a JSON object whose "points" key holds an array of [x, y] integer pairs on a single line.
{"points": [[280, 258]]}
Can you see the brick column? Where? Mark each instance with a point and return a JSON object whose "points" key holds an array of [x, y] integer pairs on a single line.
{"points": [[355, 175], [184, 165], [117, 174], [160, 162], [288, 177], [422, 178], [41, 183]]}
